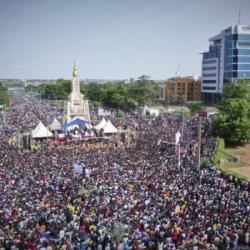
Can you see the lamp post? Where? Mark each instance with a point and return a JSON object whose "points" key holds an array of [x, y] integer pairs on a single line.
{"points": [[199, 146]]}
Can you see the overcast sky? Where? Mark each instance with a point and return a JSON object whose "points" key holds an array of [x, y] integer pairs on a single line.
{"points": [[110, 39]]}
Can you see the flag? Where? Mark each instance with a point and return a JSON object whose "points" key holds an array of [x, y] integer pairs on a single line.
{"points": [[78, 168], [159, 142], [177, 137]]}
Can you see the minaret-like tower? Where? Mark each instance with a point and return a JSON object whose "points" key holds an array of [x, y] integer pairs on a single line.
{"points": [[75, 94], [77, 106]]}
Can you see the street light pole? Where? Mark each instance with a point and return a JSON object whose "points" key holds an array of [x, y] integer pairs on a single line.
{"points": [[182, 121], [179, 156], [3, 115], [199, 146]]}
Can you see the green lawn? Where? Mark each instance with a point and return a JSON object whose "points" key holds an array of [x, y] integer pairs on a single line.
{"points": [[224, 160]]}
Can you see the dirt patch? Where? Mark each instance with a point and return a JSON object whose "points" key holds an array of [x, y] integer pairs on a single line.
{"points": [[244, 171], [245, 157]]}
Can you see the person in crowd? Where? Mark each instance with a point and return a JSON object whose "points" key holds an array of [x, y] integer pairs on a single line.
{"points": [[131, 198]]}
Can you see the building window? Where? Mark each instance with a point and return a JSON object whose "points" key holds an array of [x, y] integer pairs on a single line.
{"points": [[243, 74], [241, 52], [241, 59], [208, 88], [243, 45], [209, 81], [209, 61], [209, 75], [209, 68], [241, 67], [243, 37]]}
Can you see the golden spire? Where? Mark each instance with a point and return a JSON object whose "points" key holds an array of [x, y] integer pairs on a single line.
{"points": [[75, 72]]}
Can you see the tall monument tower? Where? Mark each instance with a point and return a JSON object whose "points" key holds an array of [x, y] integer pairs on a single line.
{"points": [[77, 105]]}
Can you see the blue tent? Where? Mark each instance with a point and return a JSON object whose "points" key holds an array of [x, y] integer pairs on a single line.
{"points": [[75, 122]]}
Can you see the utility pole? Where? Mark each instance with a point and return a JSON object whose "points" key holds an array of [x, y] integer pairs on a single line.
{"points": [[182, 117], [179, 157], [4, 122], [199, 146]]}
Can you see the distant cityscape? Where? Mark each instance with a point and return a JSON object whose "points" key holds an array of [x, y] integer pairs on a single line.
{"points": [[37, 82], [227, 59]]}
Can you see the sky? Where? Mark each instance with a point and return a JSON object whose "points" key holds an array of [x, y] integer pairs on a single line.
{"points": [[110, 39]]}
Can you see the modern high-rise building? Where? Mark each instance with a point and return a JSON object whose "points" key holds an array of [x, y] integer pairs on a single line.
{"points": [[227, 59]]}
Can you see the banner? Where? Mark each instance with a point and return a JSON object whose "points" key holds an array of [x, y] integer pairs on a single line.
{"points": [[177, 137]]}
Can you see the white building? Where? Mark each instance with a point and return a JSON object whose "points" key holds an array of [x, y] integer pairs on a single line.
{"points": [[77, 105], [227, 60]]}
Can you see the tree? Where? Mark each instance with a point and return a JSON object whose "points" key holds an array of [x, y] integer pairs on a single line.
{"points": [[83, 88], [240, 90], [93, 91], [114, 95], [195, 108], [233, 121], [4, 95], [144, 91]]}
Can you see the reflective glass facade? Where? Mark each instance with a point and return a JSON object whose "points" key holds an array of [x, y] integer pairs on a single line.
{"points": [[237, 56], [214, 52], [227, 59]]}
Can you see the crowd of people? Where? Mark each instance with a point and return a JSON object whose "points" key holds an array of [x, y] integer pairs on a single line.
{"points": [[26, 111], [127, 198]]}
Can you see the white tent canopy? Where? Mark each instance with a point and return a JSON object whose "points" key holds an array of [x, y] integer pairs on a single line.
{"points": [[109, 128], [101, 124], [41, 131], [55, 125]]}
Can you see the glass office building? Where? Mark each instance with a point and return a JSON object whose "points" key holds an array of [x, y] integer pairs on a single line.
{"points": [[227, 59]]}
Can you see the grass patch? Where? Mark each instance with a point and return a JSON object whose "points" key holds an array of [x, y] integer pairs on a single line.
{"points": [[219, 152], [234, 151], [223, 159]]}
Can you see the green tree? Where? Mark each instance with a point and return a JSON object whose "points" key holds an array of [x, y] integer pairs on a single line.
{"points": [[4, 95], [233, 121], [94, 91], [195, 107], [240, 90], [83, 88], [144, 91], [115, 95]]}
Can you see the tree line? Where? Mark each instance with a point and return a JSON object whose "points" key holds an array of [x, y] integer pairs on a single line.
{"points": [[4, 95], [120, 95]]}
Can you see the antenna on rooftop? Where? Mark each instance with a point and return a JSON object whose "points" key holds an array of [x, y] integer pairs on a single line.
{"points": [[239, 17], [177, 72]]}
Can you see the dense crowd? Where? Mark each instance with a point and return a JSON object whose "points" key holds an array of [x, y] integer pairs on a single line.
{"points": [[26, 111], [127, 198]]}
